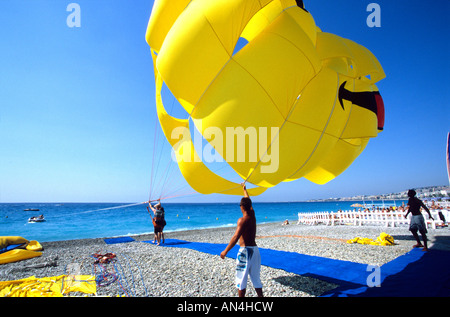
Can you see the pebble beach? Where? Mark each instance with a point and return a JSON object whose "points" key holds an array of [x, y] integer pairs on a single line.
{"points": [[157, 271]]}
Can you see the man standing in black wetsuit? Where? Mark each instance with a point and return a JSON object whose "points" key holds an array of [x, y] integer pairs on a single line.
{"points": [[417, 220]]}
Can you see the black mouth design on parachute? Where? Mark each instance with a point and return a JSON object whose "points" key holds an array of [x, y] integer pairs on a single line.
{"points": [[301, 5], [370, 100]]}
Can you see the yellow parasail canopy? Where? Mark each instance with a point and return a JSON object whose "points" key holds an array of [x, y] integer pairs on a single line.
{"points": [[293, 102]]}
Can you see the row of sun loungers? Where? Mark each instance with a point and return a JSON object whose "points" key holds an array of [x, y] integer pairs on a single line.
{"points": [[359, 218]]}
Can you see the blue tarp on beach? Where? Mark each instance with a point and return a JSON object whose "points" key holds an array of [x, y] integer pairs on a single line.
{"points": [[415, 273], [331, 270], [118, 240]]}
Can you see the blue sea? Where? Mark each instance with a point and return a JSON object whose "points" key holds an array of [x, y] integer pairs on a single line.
{"points": [[67, 221]]}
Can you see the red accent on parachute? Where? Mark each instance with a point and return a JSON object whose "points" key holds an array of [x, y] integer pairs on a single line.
{"points": [[380, 111]]}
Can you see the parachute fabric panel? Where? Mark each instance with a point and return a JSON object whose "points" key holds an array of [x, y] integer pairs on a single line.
{"points": [[293, 102], [164, 14], [196, 173]]}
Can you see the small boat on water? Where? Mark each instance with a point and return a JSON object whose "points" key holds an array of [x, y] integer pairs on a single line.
{"points": [[37, 219], [31, 209]]}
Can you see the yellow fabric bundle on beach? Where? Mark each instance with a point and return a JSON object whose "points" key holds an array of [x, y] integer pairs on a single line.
{"points": [[360, 240], [18, 255], [55, 286], [15, 248], [383, 239]]}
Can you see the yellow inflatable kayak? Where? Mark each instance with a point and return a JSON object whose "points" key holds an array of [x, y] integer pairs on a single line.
{"points": [[15, 248], [17, 255], [10, 241], [33, 245]]}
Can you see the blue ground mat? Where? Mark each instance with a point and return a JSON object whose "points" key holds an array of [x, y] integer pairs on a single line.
{"points": [[211, 248], [326, 269], [118, 240], [415, 273]]}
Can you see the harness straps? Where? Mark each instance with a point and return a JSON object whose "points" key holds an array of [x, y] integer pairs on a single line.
{"points": [[103, 258]]}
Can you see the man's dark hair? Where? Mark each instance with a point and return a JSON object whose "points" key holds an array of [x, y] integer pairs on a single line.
{"points": [[246, 203]]}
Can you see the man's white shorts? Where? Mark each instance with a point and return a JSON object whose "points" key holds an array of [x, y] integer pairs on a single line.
{"points": [[248, 262]]}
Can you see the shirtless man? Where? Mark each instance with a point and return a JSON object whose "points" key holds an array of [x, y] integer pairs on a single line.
{"points": [[417, 220], [248, 259]]}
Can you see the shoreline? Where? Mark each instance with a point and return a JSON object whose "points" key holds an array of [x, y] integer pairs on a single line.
{"points": [[177, 272]]}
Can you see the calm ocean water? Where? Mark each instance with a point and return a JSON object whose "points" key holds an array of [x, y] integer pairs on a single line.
{"points": [[85, 220]]}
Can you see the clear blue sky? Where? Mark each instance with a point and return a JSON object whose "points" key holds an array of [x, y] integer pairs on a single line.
{"points": [[77, 109]]}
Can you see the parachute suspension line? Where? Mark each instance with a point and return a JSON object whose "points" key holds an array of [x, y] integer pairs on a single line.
{"points": [[111, 208], [192, 193], [169, 170], [162, 185], [160, 181], [165, 186], [156, 186], [178, 190], [153, 160]]}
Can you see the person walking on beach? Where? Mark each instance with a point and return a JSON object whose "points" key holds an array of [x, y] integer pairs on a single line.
{"points": [[248, 260], [158, 221], [417, 221]]}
